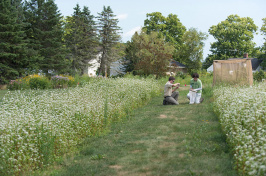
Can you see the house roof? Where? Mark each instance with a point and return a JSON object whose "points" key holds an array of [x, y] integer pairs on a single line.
{"points": [[175, 63], [255, 62]]}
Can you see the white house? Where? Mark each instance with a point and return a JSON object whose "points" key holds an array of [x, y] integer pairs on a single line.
{"points": [[93, 65]]}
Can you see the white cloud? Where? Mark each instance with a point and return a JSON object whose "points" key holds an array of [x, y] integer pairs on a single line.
{"points": [[132, 31], [122, 16]]}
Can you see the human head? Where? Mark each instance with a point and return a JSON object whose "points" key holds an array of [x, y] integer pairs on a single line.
{"points": [[171, 79], [195, 76]]}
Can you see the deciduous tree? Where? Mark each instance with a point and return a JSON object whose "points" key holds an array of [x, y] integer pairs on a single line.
{"points": [[191, 50], [153, 53], [170, 27], [233, 37]]}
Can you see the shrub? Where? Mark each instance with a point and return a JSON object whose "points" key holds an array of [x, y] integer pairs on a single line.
{"points": [[258, 76], [39, 83], [17, 85], [59, 81]]}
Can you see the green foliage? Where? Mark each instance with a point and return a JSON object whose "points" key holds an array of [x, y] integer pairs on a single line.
{"points": [[169, 27], [80, 38], [109, 38], [191, 50], [154, 52], [17, 85], [258, 76], [59, 81], [181, 74], [234, 37], [45, 34], [13, 47], [39, 83]]}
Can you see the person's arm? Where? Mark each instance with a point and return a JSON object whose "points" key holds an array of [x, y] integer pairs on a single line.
{"points": [[176, 86]]}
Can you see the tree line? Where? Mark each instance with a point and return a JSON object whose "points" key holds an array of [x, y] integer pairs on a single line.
{"points": [[36, 38]]}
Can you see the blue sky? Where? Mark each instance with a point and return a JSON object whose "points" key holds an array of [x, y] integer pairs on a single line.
{"points": [[200, 14]]}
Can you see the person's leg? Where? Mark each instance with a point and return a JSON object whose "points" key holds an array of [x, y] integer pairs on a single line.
{"points": [[192, 96], [171, 100], [198, 96], [175, 95], [188, 96]]}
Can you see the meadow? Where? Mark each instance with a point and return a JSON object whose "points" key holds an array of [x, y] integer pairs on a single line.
{"points": [[39, 126]]}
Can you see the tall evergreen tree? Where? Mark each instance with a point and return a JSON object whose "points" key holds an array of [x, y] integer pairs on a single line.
{"points": [[80, 38], [13, 49], [109, 37], [45, 34]]}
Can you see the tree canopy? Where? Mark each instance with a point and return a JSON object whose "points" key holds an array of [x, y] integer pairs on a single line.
{"points": [[109, 37], [13, 47], [233, 37], [80, 38], [153, 54], [170, 27], [191, 50]]}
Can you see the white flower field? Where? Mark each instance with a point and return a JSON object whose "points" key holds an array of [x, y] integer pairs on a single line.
{"points": [[37, 127], [242, 114]]}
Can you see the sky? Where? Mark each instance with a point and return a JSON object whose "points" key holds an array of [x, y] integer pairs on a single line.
{"points": [[199, 14]]}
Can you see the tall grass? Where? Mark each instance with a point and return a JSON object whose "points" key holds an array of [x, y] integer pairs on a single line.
{"points": [[39, 126]]}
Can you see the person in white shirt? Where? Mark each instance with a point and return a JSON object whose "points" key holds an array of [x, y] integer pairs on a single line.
{"points": [[170, 94]]}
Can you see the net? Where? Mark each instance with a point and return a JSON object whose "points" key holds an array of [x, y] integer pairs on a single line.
{"points": [[235, 71]]}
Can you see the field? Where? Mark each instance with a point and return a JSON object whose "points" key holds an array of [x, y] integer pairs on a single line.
{"points": [[103, 128], [39, 126], [242, 113]]}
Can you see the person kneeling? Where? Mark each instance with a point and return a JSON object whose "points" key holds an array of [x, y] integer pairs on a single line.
{"points": [[195, 90], [170, 94]]}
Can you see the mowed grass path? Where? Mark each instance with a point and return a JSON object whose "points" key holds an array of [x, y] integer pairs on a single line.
{"points": [[156, 140]]}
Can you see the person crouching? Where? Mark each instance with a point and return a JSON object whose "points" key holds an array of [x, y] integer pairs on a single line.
{"points": [[170, 94]]}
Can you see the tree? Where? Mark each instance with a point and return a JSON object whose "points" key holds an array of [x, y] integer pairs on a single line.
{"points": [[153, 53], [109, 37], [170, 27], [191, 50], [234, 37], [45, 33], [13, 47], [80, 38], [263, 56]]}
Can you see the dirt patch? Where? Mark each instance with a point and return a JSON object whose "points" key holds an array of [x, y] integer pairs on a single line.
{"points": [[181, 155], [136, 151], [167, 144], [116, 167], [162, 116]]}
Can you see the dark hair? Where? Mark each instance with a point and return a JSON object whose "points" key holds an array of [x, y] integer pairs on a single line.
{"points": [[195, 75], [171, 78]]}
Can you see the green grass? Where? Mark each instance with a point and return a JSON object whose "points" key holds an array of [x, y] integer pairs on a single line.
{"points": [[156, 140]]}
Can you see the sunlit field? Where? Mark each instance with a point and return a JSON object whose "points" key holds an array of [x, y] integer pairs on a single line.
{"points": [[39, 126], [242, 112]]}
